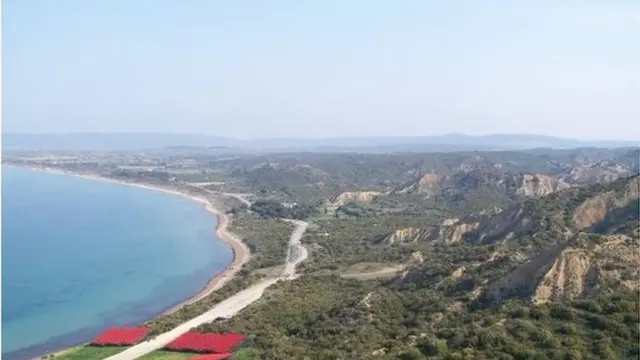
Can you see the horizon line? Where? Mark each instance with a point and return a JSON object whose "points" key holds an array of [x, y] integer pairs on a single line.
{"points": [[558, 137]]}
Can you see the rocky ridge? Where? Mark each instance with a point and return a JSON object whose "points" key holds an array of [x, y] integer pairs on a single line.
{"points": [[534, 185], [361, 197], [568, 245]]}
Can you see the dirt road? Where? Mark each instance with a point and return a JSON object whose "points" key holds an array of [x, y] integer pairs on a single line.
{"points": [[297, 253], [240, 197], [388, 271]]}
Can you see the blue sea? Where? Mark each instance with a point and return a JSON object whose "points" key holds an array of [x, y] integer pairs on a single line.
{"points": [[79, 255]]}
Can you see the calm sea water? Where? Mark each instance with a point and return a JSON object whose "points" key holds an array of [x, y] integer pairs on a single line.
{"points": [[79, 255]]}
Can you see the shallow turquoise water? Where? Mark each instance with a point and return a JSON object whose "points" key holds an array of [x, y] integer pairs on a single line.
{"points": [[79, 255]]}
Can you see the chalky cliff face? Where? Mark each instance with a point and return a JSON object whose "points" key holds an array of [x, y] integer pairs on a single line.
{"points": [[405, 236], [468, 180], [502, 225], [578, 269], [427, 184], [590, 235], [540, 185], [572, 270], [495, 226], [361, 197]]}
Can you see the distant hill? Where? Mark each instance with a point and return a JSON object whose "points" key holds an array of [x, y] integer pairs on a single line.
{"points": [[108, 141], [443, 143], [457, 181]]}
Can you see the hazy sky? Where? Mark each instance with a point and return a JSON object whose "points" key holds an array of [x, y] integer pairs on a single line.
{"points": [[323, 68]]}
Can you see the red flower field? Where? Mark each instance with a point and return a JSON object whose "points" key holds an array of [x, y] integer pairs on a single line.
{"points": [[121, 336], [206, 342], [210, 357]]}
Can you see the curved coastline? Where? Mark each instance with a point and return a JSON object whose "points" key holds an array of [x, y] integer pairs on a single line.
{"points": [[240, 252]]}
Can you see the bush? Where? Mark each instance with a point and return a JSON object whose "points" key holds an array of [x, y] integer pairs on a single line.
{"points": [[433, 347], [561, 312], [274, 209]]}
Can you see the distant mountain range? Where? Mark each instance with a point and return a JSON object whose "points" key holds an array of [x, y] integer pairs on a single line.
{"points": [[145, 141]]}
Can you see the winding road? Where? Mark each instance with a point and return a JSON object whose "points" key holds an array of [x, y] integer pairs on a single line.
{"points": [[297, 253], [230, 306]]}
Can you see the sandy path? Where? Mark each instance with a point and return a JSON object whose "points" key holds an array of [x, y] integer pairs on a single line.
{"points": [[228, 307]]}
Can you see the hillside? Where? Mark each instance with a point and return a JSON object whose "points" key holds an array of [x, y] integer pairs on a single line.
{"points": [[459, 183], [554, 277]]}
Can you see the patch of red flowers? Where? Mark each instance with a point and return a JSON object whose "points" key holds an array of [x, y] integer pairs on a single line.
{"points": [[206, 342], [210, 357], [127, 335]]}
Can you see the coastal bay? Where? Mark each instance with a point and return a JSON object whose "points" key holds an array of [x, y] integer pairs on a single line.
{"points": [[80, 255]]}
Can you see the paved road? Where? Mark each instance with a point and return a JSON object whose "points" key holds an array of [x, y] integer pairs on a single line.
{"points": [[229, 306]]}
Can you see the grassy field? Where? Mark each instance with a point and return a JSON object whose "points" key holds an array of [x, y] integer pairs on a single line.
{"points": [[242, 354], [167, 355], [88, 353], [99, 353]]}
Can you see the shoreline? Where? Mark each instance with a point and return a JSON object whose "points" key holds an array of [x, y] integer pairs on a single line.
{"points": [[240, 251]]}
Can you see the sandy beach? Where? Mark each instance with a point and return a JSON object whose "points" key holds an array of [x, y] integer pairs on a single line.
{"points": [[241, 253]]}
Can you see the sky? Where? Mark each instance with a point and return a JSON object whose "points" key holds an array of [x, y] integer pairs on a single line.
{"points": [[331, 68]]}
